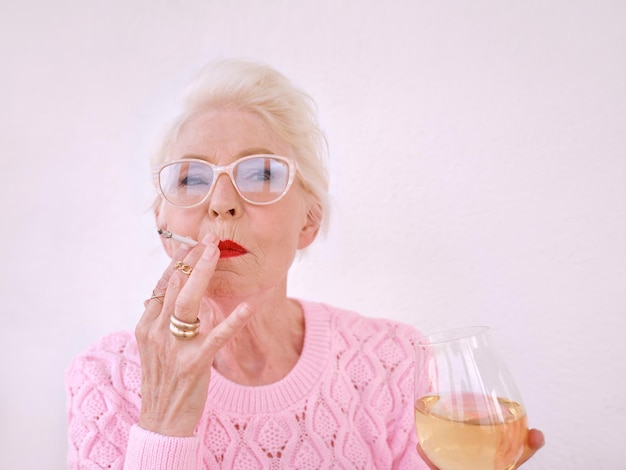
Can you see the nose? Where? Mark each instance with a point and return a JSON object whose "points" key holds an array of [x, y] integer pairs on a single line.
{"points": [[224, 200]]}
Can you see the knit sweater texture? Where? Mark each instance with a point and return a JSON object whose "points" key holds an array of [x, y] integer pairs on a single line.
{"points": [[346, 404]]}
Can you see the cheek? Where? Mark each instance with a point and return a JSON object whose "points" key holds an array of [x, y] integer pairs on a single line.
{"points": [[284, 231], [181, 221]]}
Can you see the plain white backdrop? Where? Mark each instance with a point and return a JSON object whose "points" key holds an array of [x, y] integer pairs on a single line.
{"points": [[478, 173]]}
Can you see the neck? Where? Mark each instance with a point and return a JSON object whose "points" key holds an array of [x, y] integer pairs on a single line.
{"points": [[270, 344]]}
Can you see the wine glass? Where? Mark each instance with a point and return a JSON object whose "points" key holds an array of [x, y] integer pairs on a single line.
{"points": [[468, 411]]}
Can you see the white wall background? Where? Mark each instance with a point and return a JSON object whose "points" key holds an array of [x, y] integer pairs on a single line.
{"points": [[478, 172]]}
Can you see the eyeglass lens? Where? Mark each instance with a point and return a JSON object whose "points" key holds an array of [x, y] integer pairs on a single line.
{"points": [[258, 179]]}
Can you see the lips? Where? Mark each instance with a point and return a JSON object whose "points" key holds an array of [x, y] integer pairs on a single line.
{"points": [[230, 249]]}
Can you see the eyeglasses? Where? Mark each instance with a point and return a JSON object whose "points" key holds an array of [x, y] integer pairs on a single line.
{"points": [[259, 179]]}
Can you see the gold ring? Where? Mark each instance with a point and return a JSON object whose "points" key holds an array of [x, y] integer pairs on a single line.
{"points": [[182, 334], [183, 325], [184, 267]]}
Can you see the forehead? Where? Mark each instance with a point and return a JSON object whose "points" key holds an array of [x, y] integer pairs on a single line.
{"points": [[222, 135]]}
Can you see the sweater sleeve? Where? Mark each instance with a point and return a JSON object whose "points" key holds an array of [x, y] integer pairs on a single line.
{"points": [[149, 450]]}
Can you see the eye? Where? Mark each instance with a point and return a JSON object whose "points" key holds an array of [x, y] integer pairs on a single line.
{"points": [[195, 179], [261, 169], [255, 174]]}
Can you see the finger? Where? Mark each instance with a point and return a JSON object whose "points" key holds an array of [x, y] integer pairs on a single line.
{"points": [[152, 308], [177, 279], [191, 293], [227, 328], [187, 256], [534, 441]]}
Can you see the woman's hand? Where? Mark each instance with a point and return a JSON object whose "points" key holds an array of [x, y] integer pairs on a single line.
{"points": [[534, 442], [175, 372]]}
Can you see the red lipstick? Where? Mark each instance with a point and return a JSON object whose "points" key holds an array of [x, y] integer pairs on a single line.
{"points": [[230, 249]]}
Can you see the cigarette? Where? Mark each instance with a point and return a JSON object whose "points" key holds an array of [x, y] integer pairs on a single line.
{"points": [[179, 238]]}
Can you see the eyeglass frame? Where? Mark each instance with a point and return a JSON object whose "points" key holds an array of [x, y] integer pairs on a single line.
{"points": [[227, 170]]}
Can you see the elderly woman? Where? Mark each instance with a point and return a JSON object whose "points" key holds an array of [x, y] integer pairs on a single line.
{"points": [[225, 370]]}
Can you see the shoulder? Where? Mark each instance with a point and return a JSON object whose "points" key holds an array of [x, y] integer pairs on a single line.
{"points": [[363, 326], [119, 345], [111, 361], [103, 387], [379, 335]]}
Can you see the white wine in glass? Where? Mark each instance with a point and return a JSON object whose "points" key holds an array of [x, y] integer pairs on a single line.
{"points": [[468, 412]]}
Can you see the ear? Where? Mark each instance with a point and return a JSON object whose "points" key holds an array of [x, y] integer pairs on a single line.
{"points": [[159, 217], [312, 224]]}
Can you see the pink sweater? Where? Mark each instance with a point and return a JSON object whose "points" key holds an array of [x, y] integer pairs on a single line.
{"points": [[348, 403]]}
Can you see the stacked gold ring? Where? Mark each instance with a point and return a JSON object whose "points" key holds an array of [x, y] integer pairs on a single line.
{"points": [[182, 329]]}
